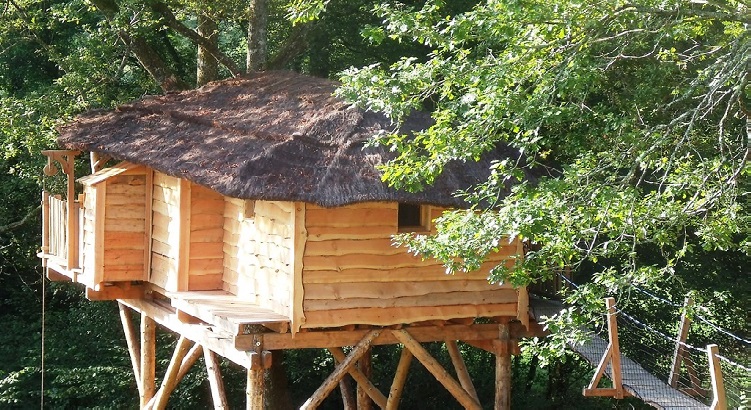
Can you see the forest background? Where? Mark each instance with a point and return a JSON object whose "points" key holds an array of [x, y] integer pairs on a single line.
{"points": [[639, 110]]}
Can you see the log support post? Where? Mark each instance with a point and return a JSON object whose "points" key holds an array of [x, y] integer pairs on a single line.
{"points": [[365, 366], [260, 361], [148, 358], [400, 377], [503, 368], [134, 350], [215, 380], [343, 368], [461, 369], [719, 401], [363, 382], [435, 368], [159, 401]]}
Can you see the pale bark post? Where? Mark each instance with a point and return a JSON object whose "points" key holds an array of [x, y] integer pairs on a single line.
{"points": [[365, 364], [256, 372], [719, 401], [503, 369], [148, 358], [680, 351]]}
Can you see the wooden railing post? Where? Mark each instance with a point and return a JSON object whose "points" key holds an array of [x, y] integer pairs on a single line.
{"points": [[680, 351], [45, 224], [719, 401]]}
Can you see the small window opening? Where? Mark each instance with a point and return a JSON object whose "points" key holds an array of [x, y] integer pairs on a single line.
{"points": [[412, 217], [250, 209]]}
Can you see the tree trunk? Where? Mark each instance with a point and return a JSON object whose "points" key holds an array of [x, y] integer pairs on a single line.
{"points": [[257, 47], [207, 66], [149, 58]]}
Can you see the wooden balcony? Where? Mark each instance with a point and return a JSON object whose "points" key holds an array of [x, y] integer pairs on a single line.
{"points": [[62, 235]]}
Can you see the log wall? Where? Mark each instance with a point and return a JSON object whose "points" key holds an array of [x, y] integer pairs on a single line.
{"points": [[206, 256], [88, 260], [258, 253], [353, 275], [165, 237], [124, 228]]}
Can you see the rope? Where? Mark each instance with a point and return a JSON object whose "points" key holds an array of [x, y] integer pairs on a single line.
{"points": [[670, 303], [44, 306]]}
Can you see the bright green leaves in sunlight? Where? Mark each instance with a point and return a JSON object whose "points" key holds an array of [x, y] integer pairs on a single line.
{"points": [[635, 115]]}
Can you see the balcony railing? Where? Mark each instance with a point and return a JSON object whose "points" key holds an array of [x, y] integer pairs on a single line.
{"points": [[61, 232]]}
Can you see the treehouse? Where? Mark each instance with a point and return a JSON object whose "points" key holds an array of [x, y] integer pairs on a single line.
{"points": [[249, 216]]}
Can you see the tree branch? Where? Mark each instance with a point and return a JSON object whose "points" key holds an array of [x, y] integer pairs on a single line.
{"points": [[14, 225], [169, 19]]}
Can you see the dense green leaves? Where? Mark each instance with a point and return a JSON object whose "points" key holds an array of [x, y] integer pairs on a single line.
{"points": [[635, 114]]}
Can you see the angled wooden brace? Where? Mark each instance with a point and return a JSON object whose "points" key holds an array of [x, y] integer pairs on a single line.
{"points": [[343, 368], [361, 379], [435, 368]]}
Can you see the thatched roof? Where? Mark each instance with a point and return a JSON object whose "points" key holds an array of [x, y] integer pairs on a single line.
{"points": [[273, 136]]}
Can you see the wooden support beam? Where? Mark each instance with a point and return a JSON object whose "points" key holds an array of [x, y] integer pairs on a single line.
{"points": [[503, 370], [343, 368], [719, 401], [362, 379], [170, 380], [337, 338], [461, 369], [400, 378], [679, 352], [216, 384], [148, 358], [189, 360], [118, 290], [435, 368], [134, 350], [365, 366]]}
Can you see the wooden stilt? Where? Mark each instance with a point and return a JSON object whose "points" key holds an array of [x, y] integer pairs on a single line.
{"points": [[719, 401], [215, 380], [435, 368], [503, 369], [148, 358], [461, 369], [363, 397], [349, 398], [189, 360], [363, 382], [133, 349], [330, 383], [170, 380], [400, 377], [612, 356], [255, 383]]}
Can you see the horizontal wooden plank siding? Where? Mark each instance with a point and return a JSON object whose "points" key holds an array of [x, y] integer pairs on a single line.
{"points": [[352, 274], [124, 227], [206, 253], [165, 237], [257, 250]]}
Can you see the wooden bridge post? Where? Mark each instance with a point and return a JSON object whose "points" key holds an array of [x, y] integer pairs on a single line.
{"points": [[719, 401], [680, 351], [612, 355]]}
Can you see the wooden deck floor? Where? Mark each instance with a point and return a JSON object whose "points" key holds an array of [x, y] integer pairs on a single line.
{"points": [[636, 380], [227, 311]]}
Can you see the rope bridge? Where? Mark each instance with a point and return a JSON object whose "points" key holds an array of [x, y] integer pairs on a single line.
{"points": [[662, 370]]}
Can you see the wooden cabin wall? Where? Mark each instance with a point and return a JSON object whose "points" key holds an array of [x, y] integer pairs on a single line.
{"points": [[352, 274], [124, 228], [88, 261], [165, 236], [258, 260], [206, 253]]}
